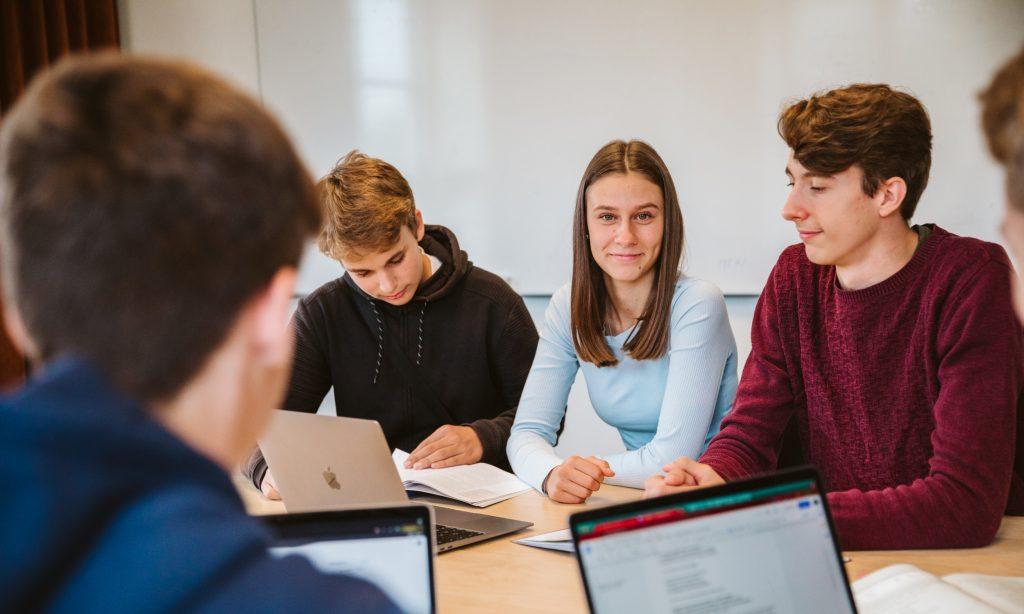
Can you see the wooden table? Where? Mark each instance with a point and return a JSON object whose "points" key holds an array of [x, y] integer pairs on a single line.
{"points": [[500, 576]]}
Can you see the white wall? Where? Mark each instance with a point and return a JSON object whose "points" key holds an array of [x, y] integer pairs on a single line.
{"points": [[492, 108], [219, 34]]}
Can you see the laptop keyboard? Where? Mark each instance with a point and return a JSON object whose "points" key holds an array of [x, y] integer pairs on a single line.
{"points": [[445, 535]]}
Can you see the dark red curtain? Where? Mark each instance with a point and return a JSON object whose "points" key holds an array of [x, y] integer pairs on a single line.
{"points": [[36, 33], [33, 35]]}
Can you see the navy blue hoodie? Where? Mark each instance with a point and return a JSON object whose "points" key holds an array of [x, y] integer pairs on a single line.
{"points": [[105, 510]]}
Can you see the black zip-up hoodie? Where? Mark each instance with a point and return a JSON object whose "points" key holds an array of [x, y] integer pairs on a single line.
{"points": [[466, 335]]}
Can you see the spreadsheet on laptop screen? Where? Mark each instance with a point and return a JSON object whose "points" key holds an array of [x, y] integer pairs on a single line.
{"points": [[764, 550]]}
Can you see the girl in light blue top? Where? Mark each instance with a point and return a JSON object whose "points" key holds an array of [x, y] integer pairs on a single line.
{"points": [[655, 346]]}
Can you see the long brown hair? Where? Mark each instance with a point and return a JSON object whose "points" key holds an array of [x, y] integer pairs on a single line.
{"points": [[590, 302]]}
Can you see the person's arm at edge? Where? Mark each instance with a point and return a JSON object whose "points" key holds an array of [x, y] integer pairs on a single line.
{"points": [[512, 357], [309, 382], [542, 405], [701, 342], [960, 503]]}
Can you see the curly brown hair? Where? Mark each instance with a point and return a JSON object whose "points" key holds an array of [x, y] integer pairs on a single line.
{"points": [[365, 201], [1002, 118], [883, 131]]}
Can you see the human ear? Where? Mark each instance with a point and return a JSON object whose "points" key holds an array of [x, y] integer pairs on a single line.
{"points": [[16, 330], [273, 338], [892, 192], [420, 226]]}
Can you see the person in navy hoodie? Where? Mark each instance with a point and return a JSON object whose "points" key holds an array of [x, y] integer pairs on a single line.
{"points": [[151, 222]]}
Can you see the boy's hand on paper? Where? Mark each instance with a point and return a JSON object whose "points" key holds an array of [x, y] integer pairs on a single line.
{"points": [[448, 446], [576, 479], [269, 487], [680, 475]]}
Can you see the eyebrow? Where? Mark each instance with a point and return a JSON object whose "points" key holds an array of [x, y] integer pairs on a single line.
{"points": [[810, 174], [395, 255], [610, 208]]}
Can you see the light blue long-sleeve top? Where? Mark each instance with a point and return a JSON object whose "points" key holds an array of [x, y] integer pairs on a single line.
{"points": [[663, 409]]}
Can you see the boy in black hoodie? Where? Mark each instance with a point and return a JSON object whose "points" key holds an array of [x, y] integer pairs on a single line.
{"points": [[151, 219], [413, 335]]}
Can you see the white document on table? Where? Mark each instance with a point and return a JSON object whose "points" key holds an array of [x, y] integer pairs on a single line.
{"points": [[479, 484], [908, 590], [560, 540]]}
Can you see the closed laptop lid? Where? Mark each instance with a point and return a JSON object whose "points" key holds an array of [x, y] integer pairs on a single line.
{"points": [[328, 462], [761, 545], [387, 546]]}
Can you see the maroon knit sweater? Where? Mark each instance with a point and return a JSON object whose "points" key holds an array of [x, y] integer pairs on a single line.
{"points": [[905, 394]]}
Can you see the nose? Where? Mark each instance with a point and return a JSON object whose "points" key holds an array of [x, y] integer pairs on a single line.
{"points": [[624, 233], [387, 284], [793, 210]]}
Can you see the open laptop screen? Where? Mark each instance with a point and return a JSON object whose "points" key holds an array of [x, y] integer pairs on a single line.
{"points": [[389, 547], [762, 545]]}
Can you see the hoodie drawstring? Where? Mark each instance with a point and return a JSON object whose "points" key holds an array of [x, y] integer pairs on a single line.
{"points": [[419, 345], [380, 337], [380, 340]]}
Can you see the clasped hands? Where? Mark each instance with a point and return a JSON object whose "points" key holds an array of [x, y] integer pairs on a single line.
{"points": [[680, 475]]}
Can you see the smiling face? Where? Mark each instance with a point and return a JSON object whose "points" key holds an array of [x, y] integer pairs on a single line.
{"points": [[393, 274], [834, 218], [625, 224]]}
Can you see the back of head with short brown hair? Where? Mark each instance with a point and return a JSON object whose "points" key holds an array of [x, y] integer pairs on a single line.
{"points": [[885, 132], [1002, 118], [142, 204], [366, 202]]}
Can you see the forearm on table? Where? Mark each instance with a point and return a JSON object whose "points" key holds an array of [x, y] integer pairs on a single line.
{"points": [[532, 456], [933, 512]]}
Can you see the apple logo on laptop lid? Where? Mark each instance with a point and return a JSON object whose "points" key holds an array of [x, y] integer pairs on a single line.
{"points": [[331, 479]]}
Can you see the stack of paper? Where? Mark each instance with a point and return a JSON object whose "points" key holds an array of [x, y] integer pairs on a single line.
{"points": [[905, 588], [479, 484]]}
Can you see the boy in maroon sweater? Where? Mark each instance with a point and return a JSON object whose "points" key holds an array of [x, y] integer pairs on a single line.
{"points": [[893, 348]]}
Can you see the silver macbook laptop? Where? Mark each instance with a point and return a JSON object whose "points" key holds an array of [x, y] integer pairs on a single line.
{"points": [[388, 546], [766, 544], [328, 462]]}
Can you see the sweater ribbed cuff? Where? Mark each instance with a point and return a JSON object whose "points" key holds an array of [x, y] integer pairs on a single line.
{"points": [[724, 466]]}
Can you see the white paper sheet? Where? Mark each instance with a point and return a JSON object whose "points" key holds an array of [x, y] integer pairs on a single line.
{"points": [[560, 540]]}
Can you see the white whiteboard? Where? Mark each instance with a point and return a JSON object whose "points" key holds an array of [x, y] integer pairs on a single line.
{"points": [[492, 109]]}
